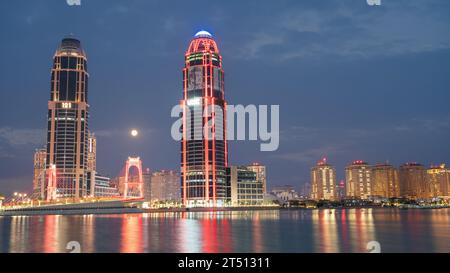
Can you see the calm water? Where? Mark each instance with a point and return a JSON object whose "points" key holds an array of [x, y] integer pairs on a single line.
{"points": [[253, 231]]}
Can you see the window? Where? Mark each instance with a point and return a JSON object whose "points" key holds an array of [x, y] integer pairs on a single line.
{"points": [[64, 62]]}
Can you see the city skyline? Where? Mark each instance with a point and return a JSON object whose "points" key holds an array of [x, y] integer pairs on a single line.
{"points": [[258, 130], [406, 116]]}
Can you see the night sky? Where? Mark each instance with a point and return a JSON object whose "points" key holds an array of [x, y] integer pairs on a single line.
{"points": [[353, 81]]}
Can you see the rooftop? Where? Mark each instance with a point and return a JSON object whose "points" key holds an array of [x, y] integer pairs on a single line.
{"points": [[203, 34], [71, 44]]}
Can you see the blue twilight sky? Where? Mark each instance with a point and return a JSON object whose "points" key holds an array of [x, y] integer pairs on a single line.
{"points": [[353, 81]]}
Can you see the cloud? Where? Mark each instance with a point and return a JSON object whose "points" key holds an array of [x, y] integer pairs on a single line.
{"points": [[109, 133], [343, 28], [258, 43], [15, 137], [304, 134], [433, 124], [118, 9], [5, 154], [310, 155], [298, 133], [29, 19], [301, 138], [424, 125], [172, 24]]}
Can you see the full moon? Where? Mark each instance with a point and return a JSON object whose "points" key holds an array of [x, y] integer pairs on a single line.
{"points": [[134, 132]]}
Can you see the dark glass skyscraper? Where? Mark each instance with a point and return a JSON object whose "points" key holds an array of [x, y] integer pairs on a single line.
{"points": [[204, 155], [68, 113]]}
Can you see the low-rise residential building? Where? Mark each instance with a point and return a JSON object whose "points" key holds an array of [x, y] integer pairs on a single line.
{"points": [[285, 193], [246, 189]]}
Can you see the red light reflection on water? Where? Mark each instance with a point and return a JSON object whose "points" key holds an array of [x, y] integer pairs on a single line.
{"points": [[257, 236], [216, 233], [210, 234], [131, 234], [51, 234]]}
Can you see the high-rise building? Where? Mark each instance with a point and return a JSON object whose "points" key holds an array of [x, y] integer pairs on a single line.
{"points": [[40, 157], [385, 182], [92, 166], [438, 179], [165, 186], [203, 156], [358, 180], [305, 190], [261, 175], [323, 181], [147, 178], [68, 114], [340, 188], [92, 152], [246, 188], [413, 181]]}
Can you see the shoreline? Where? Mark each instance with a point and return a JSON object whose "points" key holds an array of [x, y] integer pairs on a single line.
{"points": [[123, 210], [135, 210]]}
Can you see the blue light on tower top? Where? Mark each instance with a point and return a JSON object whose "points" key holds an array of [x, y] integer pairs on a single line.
{"points": [[203, 34]]}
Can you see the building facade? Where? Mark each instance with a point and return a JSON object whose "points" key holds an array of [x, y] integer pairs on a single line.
{"points": [[68, 114], [305, 191], [92, 152], [261, 174], [203, 156], [285, 193], [103, 187], [385, 181], [438, 179], [358, 180], [165, 186], [413, 182], [341, 190], [40, 158], [323, 181], [147, 177], [91, 165], [246, 189]]}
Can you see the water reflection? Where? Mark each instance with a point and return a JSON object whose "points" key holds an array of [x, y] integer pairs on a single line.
{"points": [[189, 236], [441, 237], [257, 235], [131, 234], [361, 229], [19, 234], [325, 230], [51, 233]]}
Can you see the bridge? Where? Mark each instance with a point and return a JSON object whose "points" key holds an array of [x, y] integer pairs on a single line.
{"points": [[131, 191]]}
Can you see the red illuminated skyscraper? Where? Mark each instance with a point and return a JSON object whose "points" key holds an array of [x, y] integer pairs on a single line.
{"points": [[204, 155]]}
